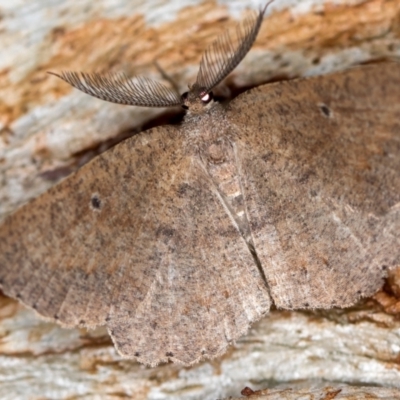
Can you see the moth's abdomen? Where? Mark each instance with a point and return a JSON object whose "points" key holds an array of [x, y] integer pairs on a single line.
{"points": [[220, 162]]}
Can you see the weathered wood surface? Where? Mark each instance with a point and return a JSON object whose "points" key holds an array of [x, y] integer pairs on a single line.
{"points": [[360, 346], [339, 392], [48, 129]]}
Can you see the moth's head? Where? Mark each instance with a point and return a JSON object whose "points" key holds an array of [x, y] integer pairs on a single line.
{"points": [[197, 99]]}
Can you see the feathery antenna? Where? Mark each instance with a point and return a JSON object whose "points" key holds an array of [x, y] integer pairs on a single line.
{"points": [[221, 57], [117, 88], [226, 52]]}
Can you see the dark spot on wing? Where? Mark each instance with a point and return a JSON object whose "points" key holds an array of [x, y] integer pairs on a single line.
{"points": [[325, 110], [95, 202]]}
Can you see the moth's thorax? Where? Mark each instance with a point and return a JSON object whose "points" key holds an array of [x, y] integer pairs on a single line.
{"points": [[202, 129], [198, 107], [211, 142]]}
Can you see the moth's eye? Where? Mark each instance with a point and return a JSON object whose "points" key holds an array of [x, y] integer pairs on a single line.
{"points": [[184, 97], [206, 97]]}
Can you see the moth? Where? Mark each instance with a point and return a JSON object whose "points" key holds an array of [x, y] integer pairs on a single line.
{"points": [[179, 238]]}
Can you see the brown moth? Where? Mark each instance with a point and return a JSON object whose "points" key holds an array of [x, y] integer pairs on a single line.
{"points": [[179, 238]]}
